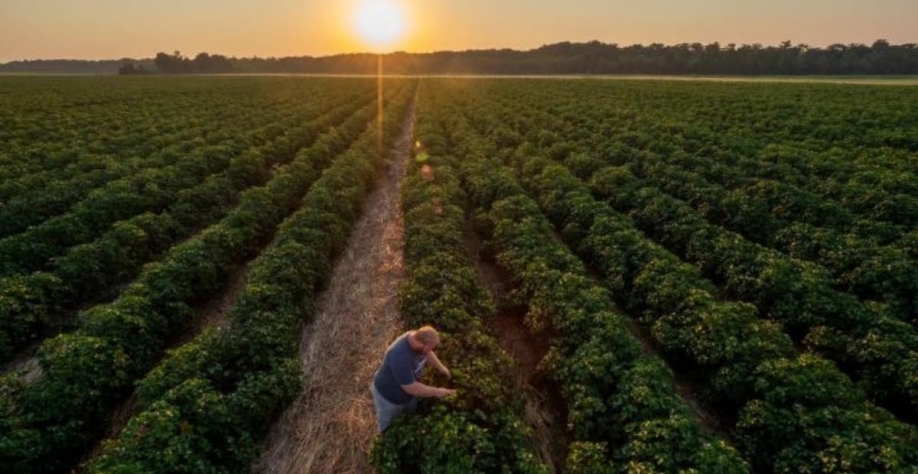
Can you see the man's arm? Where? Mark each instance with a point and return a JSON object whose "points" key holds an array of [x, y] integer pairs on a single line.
{"points": [[435, 362], [418, 389]]}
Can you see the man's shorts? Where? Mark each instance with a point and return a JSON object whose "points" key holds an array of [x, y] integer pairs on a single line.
{"points": [[386, 411]]}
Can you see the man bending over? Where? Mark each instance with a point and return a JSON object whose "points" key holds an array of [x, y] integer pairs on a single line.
{"points": [[396, 387]]}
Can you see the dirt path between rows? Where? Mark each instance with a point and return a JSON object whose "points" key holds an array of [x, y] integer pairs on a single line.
{"points": [[545, 410], [330, 427]]}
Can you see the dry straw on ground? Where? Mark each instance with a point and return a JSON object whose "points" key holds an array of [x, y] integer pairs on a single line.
{"points": [[331, 426]]}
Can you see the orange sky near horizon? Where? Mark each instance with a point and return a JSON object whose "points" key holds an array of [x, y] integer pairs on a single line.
{"points": [[111, 29]]}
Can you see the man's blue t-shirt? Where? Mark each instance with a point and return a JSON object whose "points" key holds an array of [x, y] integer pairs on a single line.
{"points": [[401, 366]]}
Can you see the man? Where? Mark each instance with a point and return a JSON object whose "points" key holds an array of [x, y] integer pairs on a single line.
{"points": [[396, 387]]}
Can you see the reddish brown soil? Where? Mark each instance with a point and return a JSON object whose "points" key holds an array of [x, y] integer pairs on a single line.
{"points": [[526, 349], [544, 410]]}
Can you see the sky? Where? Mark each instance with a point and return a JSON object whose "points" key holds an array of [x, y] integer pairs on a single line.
{"points": [[112, 29]]}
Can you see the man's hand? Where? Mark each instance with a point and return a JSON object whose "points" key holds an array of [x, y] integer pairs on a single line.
{"points": [[446, 373], [444, 392]]}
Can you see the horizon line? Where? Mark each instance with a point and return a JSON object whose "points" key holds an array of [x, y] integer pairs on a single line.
{"points": [[358, 53]]}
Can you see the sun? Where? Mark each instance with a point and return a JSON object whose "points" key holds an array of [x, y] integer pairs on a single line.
{"points": [[380, 23]]}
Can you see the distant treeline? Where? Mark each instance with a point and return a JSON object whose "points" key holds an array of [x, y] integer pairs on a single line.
{"points": [[203, 63], [880, 58], [74, 66]]}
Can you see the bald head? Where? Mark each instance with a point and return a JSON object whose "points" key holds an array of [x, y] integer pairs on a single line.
{"points": [[424, 340], [428, 335]]}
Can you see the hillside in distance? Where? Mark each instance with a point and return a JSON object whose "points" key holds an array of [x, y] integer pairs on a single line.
{"points": [[565, 58]]}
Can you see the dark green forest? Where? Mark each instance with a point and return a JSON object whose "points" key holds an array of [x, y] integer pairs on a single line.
{"points": [[879, 58]]}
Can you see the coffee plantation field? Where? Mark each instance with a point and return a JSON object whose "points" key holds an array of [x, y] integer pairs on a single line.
{"points": [[629, 276]]}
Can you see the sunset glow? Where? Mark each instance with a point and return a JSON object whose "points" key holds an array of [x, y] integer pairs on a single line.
{"points": [[107, 29], [379, 23]]}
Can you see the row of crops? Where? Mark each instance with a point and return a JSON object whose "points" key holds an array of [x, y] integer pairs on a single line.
{"points": [[102, 288], [760, 238], [749, 249]]}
